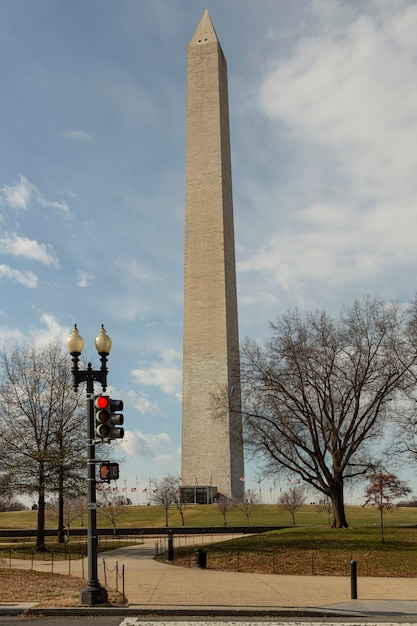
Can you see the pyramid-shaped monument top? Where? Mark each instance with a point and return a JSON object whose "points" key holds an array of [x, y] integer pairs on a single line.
{"points": [[204, 33]]}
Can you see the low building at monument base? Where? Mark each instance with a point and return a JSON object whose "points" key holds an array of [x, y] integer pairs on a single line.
{"points": [[199, 494]]}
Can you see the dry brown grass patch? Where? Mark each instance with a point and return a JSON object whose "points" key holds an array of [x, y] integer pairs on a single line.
{"points": [[46, 589]]}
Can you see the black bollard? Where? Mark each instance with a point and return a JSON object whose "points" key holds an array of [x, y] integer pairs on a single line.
{"points": [[170, 545], [353, 581]]}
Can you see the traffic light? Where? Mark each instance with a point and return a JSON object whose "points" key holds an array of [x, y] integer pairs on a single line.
{"points": [[116, 419], [102, 410], [107, 419], [109, 471]]}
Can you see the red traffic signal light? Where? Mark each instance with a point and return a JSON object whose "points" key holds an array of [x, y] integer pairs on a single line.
{"points": [[107, 419], [102, 402], [102, 408]]}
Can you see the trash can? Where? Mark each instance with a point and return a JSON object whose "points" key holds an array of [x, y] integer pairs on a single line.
{"points": [[201, 558]]}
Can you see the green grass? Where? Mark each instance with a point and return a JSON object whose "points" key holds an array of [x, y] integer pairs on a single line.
{"points": [[315, 551], [208, 515], [311, 547], [75, 549]]}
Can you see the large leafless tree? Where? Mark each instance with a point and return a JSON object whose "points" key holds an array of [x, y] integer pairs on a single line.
{"points": [[403, 434], [42, 429], [320, 391]]}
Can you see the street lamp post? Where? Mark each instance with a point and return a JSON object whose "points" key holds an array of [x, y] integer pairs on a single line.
{"points": [[93, 593]]}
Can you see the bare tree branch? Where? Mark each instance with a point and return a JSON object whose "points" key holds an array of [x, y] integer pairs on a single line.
{"points": [[322, 389]]}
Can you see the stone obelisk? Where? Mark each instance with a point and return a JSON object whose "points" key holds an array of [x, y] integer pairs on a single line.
{"points": [[212, 448]]}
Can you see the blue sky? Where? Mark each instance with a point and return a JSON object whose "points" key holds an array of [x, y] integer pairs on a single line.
{"points": [[323, 110]]}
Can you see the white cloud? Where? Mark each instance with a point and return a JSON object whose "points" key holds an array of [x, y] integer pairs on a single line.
{"points": [[352, 92], [137, 443], [142, 404], [347, 99], [26, 278], [18, 195], [136, 271], [28, 248], [50, 330], [136, 302], [84, 278], [338, 244], [78, 134], [62, 207], [166, 375], [11, 335]]}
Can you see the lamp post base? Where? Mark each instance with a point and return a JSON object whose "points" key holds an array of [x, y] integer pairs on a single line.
{"points": [[93, 595]]}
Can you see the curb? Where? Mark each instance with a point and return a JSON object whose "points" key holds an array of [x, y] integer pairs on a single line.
{"points": [[139, 611]]}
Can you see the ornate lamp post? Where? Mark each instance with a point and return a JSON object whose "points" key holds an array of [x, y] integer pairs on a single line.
{"points": [[93, 593]]}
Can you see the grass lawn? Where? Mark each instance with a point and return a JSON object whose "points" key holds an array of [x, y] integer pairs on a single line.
{"points": [[314, 551], [208, 515], [76, 549], [311, 547]]}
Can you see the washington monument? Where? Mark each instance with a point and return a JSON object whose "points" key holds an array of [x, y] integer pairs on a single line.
{"points": [[212, 448]]}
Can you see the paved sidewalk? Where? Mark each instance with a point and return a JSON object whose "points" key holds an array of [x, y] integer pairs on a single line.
{"points": [[151, 585]]}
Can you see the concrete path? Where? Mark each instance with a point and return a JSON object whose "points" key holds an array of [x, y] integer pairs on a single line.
{"points": [[153, 585]]}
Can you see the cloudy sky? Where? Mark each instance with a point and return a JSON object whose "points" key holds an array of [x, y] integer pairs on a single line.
{"points": [[323, 107]]}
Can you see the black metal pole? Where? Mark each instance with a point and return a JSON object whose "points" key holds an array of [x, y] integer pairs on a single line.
{"points": [[93, 593], [170, 545], [353, 581]]}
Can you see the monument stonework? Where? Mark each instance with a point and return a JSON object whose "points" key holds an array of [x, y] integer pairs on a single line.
{"points": [[212, 447]]}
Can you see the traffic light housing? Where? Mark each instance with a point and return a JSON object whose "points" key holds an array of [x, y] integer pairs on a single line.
{"points": [[109, 471], [107, 419], [116, 419]]}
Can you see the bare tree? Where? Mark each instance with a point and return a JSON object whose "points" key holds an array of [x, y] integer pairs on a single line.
{"points": [[113, 505], [8, 500], [74, 508], [382, 491], [321, 390], [162, 494], [41, 426], [291, 500], [325, 506], [167, 493], [177, 498], [246, 506], [223, 505]]}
